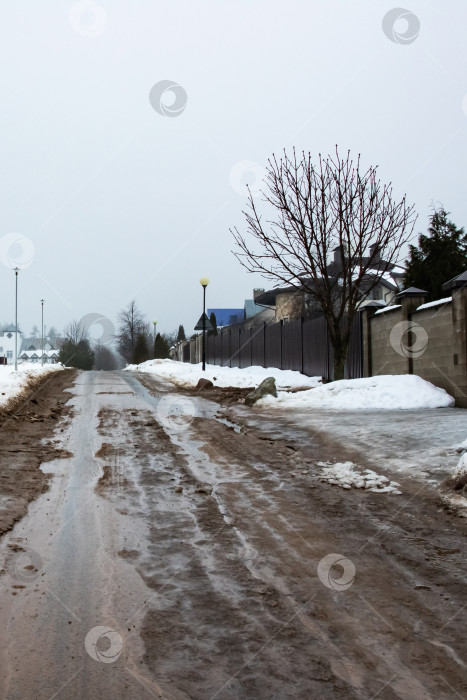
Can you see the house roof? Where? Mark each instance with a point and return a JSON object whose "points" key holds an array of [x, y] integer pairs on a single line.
{"points": [[252, 308], [412, 292], [459, 281], [37, 353], [268, 298]]}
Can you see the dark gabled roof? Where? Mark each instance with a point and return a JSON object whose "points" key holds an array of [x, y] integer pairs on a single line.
{"points": [[412, 292], [269, 298], [456, 282]]}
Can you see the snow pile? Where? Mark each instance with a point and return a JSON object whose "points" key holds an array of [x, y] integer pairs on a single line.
{"points": [[12, 383], [456, 484], [187, 375], [346, 475], [461, 467], [462, 447], [406, 391], [460, 470]]}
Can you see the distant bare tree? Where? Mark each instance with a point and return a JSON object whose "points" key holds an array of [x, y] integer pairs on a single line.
{"points": [[131, 324], [75, 349], [170, 337], [315, 209], [75, 332]]}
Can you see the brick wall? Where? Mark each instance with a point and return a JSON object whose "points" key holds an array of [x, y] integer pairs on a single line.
{"points": [[430, 342]]}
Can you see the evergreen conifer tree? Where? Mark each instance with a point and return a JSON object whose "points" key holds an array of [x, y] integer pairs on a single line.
{"points": [[440, 256]]}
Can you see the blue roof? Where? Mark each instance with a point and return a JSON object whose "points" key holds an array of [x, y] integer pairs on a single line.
{"points": [[227, 317]]}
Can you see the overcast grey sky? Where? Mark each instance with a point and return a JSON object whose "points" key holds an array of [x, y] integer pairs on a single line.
{"points": [[117, 201]]}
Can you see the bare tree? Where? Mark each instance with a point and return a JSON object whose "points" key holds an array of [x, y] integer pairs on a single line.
{"points": [[131, 324], [75, 349], [75, 332], [316, 209]]}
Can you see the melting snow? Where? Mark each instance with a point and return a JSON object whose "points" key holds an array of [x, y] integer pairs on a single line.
{"points": [[346, 475], [403, 391], [186, 374], [12, 383]]}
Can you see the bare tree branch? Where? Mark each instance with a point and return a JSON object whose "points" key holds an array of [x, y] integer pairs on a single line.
{"points": [[314, 210]]}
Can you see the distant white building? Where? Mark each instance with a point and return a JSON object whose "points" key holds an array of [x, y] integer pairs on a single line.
{"points": [[27, 351], [7, 343], [50, 356]]}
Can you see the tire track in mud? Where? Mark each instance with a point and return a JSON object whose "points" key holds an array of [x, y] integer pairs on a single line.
{"points": [[390, 633], [210, 613]]}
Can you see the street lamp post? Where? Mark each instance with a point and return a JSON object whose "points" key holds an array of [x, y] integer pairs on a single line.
{"points": [[16, 318], [42, 333], [204, 283]]}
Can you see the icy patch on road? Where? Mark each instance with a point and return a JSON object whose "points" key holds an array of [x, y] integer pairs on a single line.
{"points": [[346, 475]]}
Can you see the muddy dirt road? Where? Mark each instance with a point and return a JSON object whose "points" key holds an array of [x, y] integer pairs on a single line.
{"points": [[183, 551]]}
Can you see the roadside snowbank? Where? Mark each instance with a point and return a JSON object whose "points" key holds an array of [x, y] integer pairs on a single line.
{"points": [[12, 383], [187, 375], [406, 391], [346, 475]]}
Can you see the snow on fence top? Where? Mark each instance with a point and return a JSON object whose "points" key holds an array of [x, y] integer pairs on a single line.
{"points": [[434, 303], [388, 308]]}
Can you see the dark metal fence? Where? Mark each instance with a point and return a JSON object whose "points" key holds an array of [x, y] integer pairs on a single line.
{"points": [[301, 345]]}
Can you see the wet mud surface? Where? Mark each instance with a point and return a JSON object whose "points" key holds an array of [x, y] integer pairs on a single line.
{"points": [[204, 537], [27, 427], [247, 611]]}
